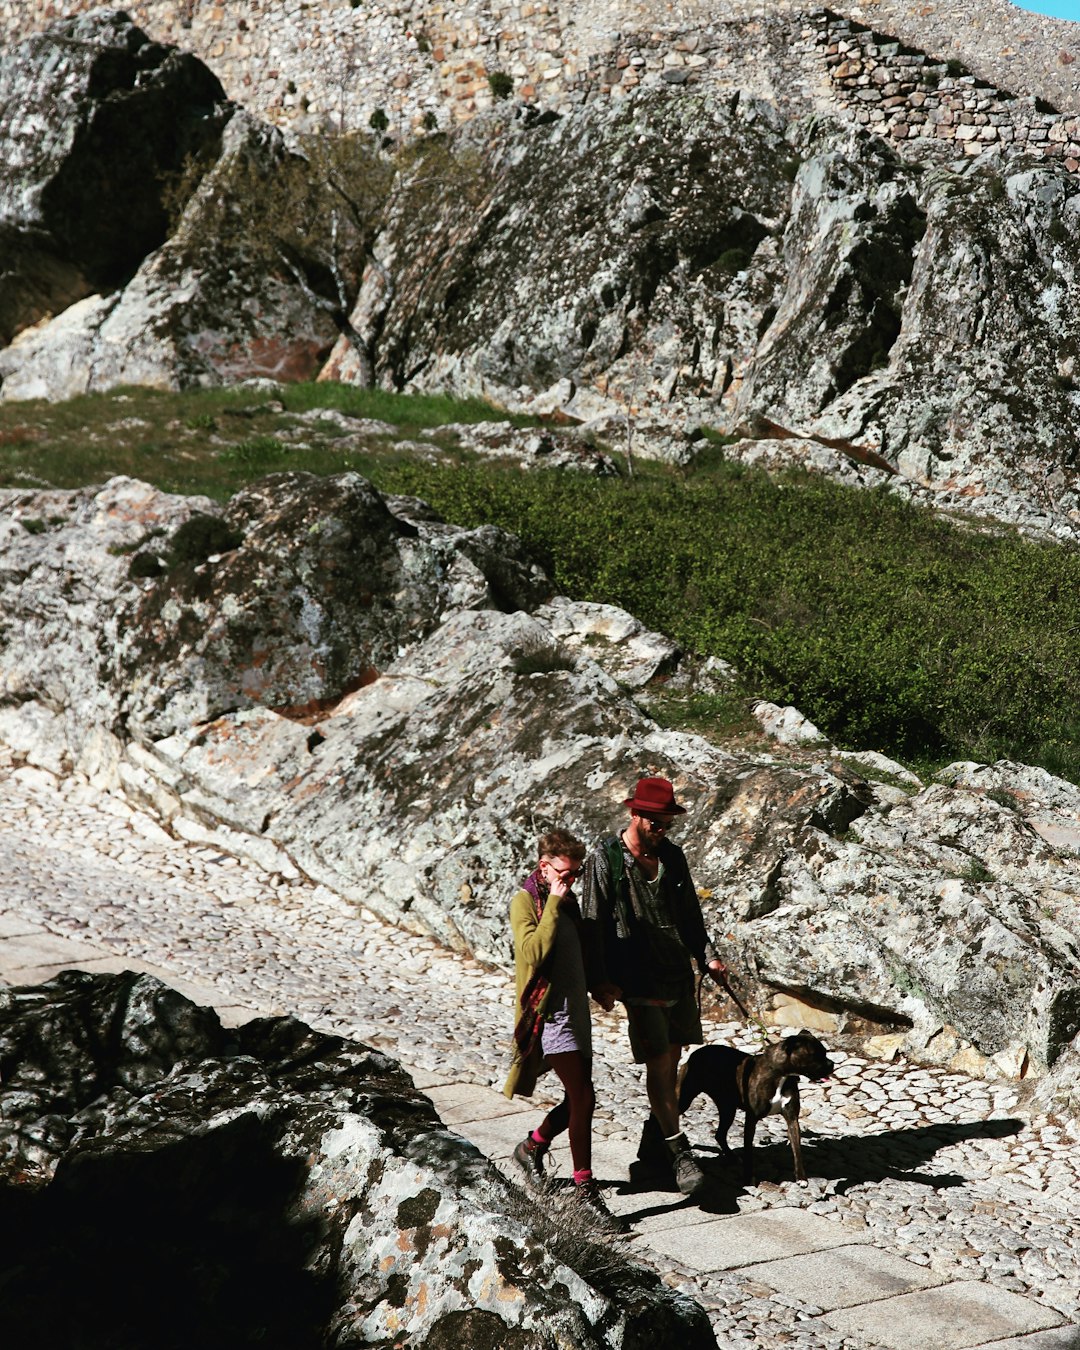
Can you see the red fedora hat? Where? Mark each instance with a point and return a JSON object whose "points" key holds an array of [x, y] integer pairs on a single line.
{"points": [[654, 797]]}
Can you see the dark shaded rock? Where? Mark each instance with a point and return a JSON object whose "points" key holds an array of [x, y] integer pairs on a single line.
{"points": [[272, 1186], [152, 233], [94, 120]]}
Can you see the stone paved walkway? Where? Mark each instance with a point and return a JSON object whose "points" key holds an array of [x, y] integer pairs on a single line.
{"points": [[939, 1213]]}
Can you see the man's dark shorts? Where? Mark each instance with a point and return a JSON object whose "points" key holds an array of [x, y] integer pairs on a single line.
{"points": [[654, 1029]]}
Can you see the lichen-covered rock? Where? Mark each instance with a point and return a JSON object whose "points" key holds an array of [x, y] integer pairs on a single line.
{"points": [[161, 612], [190, 1186], [313, 591], [94, 120], [975, 400], [64, 584], [557, 279], [152, 233], [212, 305], [934, 912]]}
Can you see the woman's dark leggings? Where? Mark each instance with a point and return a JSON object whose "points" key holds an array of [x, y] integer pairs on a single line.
{"points": [[575, 1111]]}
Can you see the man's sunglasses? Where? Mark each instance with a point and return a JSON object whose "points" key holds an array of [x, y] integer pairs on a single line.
{"points": [[658, 824]]}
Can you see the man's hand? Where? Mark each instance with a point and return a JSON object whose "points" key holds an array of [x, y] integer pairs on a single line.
{"points": [[607, 995], [717, 970]]}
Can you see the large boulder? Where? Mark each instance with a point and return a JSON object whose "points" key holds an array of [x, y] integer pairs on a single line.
{"points": [[164, 238], [974, 400], [302, 590], [778, 281], [174, 610], [187, 1186], [95, 119], [642, 282]]}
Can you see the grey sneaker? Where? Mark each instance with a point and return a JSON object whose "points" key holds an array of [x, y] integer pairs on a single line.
{"points": [[589, 1197], [529, 1156]]}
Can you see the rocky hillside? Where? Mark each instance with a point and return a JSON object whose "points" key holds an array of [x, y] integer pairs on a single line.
{"points": [[318, 678], [799, 287]]}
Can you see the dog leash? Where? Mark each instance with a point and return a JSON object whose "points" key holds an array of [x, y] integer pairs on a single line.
{"points": [[748, 1016]]}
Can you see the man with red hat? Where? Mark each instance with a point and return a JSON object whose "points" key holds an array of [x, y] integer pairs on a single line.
{"points": [[641, 908]]}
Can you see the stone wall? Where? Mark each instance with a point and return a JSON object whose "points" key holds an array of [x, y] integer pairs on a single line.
{"points": [[421, 64]]}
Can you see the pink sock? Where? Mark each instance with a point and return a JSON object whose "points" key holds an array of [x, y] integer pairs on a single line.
{"points": [[538, 1138], [582, 1175]]}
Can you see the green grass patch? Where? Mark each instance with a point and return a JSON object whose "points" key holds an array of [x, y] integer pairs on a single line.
{"points": [[718, 717], [215, 441]]}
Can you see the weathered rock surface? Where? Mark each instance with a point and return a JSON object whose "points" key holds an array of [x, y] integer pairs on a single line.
{"points": [[167, 279], [640, 288], [314, 589], [797, 284], [726, 268], [94, 118], [176, 611], [424, 708], [185, 1185]]}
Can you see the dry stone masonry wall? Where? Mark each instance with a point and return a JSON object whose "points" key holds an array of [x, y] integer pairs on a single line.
{"points": [[429, 63]]}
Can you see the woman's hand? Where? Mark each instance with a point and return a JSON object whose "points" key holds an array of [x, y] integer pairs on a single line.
{"points": [[559, 875]]}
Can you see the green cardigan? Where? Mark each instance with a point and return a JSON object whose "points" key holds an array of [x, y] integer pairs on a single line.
{"points": [[534, 940]]}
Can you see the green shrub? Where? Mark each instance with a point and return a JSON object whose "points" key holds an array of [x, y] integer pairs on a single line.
{"points": [[891, 628], [978, 872], [378, 121], [500, 84], [734, 260]]}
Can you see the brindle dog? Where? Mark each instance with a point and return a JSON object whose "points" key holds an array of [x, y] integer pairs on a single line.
{"points": [[762, 1085]]}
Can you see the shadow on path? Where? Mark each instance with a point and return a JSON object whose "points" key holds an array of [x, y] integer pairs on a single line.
{"points": [[850, 1160], [857, 1159]]}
